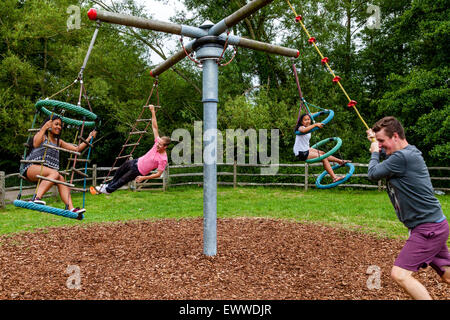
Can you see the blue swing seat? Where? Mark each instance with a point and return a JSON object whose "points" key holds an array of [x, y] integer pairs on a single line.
{"points": [[42, 208]]}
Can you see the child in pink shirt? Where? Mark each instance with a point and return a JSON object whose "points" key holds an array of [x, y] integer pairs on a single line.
{"points": [[138, 169]]}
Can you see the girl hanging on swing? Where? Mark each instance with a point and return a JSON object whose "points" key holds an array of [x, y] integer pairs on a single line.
{"points": [[50, 133], [303, 151]]}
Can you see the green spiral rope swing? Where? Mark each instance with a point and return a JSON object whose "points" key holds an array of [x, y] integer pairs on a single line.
{"points": [[41, 107]]}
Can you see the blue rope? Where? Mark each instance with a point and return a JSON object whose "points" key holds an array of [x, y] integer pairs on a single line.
{"points": [[39, 207]]}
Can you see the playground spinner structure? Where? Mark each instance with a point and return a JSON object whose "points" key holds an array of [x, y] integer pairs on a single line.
{"points": [[209, 43]]}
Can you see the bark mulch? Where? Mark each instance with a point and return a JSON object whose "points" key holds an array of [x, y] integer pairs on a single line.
{"points": [[256, 259]]}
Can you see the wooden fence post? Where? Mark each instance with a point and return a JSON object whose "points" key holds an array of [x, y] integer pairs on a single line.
{"points": [[306, 176], [2, 190], [94, 174], [166, 178], [235, 174]]}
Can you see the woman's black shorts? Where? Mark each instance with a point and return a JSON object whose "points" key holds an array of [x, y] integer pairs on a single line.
{"points": [[302, 155]]}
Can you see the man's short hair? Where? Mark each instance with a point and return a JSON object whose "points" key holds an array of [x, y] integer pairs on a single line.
{"points": [[390, 125]]}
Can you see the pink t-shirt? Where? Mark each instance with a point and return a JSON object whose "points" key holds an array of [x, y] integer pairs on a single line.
{"points": [[152, 160]]}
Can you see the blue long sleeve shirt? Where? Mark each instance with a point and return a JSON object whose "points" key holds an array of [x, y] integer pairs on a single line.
{"points": [[408, 185]]}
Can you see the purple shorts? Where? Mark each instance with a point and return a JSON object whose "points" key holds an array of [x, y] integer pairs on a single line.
{"points": [[427, 245]]}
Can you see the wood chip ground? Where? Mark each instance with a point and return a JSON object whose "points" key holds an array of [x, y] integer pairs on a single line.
{"points": [[256, 259]]}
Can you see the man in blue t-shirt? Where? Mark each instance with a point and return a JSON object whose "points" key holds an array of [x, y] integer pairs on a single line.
{"points": [[411, 193]]}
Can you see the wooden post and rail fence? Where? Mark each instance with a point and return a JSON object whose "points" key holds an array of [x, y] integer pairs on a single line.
{"points": [[192, 174]]}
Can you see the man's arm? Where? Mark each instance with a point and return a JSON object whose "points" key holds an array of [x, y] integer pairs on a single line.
{"points": [[394, 165]]}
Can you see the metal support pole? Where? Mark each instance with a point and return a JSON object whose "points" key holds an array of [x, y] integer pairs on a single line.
{"points": [[88, 54], [94, 174], [209, 46], [238, 16], [235, 174], [142, 23], [306, 176], [208, 54]]}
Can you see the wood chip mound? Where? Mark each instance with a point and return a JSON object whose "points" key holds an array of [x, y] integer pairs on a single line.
{"points": [[256, 259]]}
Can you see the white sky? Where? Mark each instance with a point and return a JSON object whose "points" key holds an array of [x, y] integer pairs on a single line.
{"points": [[163, 12], [159, 10]]}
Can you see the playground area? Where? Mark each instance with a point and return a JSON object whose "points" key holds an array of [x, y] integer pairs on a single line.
{"points": [[257, 259], [164, 187]]}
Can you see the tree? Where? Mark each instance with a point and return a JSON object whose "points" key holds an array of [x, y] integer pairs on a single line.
{"points": [[40, 57], [418, 93]]}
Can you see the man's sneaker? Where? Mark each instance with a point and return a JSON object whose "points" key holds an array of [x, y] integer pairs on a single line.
{"points": [[39, 201]]}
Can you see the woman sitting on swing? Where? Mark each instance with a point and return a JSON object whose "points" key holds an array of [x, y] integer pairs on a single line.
{"points": [[50, 133], [303, 151]]}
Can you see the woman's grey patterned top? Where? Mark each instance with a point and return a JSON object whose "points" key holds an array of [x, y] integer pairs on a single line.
{"points": [[51, 157]]}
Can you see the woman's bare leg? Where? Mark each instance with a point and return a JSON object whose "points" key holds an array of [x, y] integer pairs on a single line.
{"points": [[64, 193], [35, 170], [45, 185], [337, 160], [315, 153]]}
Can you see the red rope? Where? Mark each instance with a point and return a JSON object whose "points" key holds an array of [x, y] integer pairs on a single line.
{"points": [[299, 91], [224, 49], [187, 54], [234, 55]]}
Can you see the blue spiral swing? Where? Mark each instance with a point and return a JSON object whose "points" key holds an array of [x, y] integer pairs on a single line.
{"points": [[338, 141]]}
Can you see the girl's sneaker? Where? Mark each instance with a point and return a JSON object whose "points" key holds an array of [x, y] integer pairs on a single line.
{"points": [[79, 212], [39, 201]]}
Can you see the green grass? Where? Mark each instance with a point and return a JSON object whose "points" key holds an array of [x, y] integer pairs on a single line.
{"points": [[366, 211]]}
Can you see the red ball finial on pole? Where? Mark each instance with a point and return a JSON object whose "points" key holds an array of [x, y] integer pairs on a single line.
{"points": [[92, 14]]}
